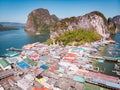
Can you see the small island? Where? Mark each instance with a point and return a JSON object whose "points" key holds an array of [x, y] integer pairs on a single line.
{"points": [[4, 28], [7, 28], [10, 26]]}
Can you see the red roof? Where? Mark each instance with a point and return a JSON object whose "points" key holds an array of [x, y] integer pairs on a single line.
{"points": [[35, 56], [53, 68], [103, 76], [71, 55], [69, 59]]}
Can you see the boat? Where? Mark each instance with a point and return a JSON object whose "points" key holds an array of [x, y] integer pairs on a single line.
{"points": [[14, 49], [118, 73], [116, 67], [37, 33], [111, 41], [101, 61]]}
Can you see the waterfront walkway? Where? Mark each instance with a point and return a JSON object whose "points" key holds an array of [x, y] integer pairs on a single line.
{"points": [[105, 58]]}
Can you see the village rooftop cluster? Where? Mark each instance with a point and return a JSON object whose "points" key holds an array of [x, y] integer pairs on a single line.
{"points": [[54, 67]]}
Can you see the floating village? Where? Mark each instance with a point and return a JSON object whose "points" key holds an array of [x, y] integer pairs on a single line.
{"points": [[39, 66]]}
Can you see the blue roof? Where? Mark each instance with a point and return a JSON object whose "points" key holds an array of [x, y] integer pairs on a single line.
{"points": [[42, 58], [23, 65], [112, 84], [13, 60], [44, 66]]}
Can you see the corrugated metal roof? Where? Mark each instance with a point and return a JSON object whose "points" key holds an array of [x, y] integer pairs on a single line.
{"points": [[112, 84], [23, 65], [4, 63], [30, 62]]}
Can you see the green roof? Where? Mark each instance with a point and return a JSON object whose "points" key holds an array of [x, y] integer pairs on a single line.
{"points": [[88, 86], [4, 63], [30, 62]]}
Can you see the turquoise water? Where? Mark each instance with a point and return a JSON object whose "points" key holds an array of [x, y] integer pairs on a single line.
{"points": [[18, 38], [112, 50]]}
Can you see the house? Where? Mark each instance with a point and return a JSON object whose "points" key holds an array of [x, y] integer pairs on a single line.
{"points": [[4, 64], [30, 62], [1, 88], [6, 73]]}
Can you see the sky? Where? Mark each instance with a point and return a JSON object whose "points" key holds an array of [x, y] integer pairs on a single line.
{"points": [[18, 10]]}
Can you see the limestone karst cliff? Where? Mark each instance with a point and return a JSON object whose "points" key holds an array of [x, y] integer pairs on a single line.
{"points": [[40, 19], [116, 20], [91, 21]]}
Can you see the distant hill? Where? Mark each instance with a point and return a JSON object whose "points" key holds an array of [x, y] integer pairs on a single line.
{"points": [[10, 26], [1, 25]]}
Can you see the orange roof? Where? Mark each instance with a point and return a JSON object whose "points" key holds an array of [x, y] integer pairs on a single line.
{"points": [[35, 88], [10, 78]]}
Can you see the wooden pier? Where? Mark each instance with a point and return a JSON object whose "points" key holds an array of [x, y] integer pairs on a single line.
{"points": [[14, 49], [105, 58]]}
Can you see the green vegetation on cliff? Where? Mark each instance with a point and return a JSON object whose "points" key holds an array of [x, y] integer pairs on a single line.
{"points": [[63, 23], [77, 37], [112, 30], [101, 15]]}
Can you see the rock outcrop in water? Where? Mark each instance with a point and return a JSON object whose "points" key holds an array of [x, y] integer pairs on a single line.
{"points": [[91, 21], [5, 26], [40, 19]]}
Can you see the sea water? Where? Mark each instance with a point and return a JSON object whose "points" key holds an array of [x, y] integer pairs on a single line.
{"points": [[18, 38]]}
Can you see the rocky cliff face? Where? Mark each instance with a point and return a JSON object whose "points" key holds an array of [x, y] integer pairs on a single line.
{"points": [[116, 20], [114, 24], [94, 20], [40, 19]]}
